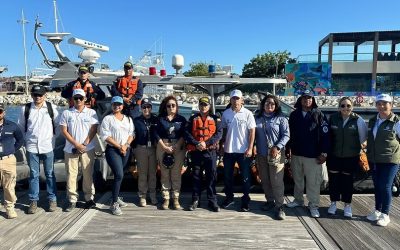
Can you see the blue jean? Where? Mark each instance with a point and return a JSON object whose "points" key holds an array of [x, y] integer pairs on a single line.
{"points": [[117, 162], [383, 175], [244, 166], [48, 166]]}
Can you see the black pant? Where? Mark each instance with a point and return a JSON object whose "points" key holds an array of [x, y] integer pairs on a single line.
{"points": [[204, 161], [341, 172]]}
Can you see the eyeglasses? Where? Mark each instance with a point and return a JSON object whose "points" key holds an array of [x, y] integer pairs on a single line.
{"points": [[146, 107], [37, 95], [117, 104], [82, 72], [270, 103], [80, 98], [345, 105], [127, 68], [171, 106]]}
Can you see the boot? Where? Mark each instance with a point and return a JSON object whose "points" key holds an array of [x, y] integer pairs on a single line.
{"points": [[165, 204], [32, 207], [153, 199], [177, 206], [11, 214], [142, 202]]}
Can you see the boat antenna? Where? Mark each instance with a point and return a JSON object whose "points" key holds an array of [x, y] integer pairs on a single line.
{"points": [[55, 15], [23, 21], [46, 60]]}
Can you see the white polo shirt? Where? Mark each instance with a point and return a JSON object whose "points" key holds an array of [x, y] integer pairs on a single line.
{"points": [[78, 125], [116, 129], [39, 137], [238, 125]]}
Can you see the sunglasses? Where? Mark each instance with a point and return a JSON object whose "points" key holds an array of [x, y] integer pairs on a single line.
{"points": [[146, 107], [80, 98], [37, 95], [345, 105], [171, 106], [83, 72], [270, 103], [203, 104], [117, 104], [127, 68]]}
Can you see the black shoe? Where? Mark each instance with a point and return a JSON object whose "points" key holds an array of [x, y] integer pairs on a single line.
{"points": [[245, 207], [268, 206], [213, 206], [90, 204], [195, 204], [71, 206], [227, 203]]}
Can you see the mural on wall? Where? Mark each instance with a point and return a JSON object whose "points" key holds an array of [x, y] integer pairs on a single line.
{"points": [[316, 77]]}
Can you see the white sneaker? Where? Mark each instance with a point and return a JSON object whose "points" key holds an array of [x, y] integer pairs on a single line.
{"points": [[314, 212], [374, 216], [294, 203], [347, 211], [332, 208], [383, 220]]}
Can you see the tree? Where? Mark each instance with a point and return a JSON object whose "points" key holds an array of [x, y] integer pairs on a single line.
{"points": [[265, 65], [197, 69]]}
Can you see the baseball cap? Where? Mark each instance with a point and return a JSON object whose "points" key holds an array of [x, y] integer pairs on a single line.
{"points": [[78, 92], [83, 68], [37, 89], [383, 97], [128, 65], [117, 99], [146, 101], [307, 93], [236, 93], [205, 100]]}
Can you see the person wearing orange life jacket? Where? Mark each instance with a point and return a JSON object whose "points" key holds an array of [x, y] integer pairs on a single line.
{"points": [[203, 133], [130, 89], [92, 90]]}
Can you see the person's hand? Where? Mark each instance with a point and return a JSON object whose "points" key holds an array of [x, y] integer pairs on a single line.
{"points": [[81, 148], [123, 149], [274, 151], [248, 153], [321, 159], [169, 149], [127, 100]]}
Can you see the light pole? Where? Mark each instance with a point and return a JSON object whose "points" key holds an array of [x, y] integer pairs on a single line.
{"points": [[277, 64], [23, 21]]}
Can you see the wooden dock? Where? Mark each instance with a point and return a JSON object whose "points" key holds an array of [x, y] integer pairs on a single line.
{"points": [[151, 228]]}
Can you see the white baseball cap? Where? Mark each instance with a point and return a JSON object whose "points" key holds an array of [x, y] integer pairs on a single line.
{"points": [[383, 97], [236, 93], [78, 92]]}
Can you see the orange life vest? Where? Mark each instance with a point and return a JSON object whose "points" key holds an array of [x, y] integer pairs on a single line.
{"points": [[127, 87], [202, 130], [88, 88]]}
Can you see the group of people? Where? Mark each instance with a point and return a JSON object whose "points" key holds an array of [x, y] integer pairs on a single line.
{"points": [[308, 138]]}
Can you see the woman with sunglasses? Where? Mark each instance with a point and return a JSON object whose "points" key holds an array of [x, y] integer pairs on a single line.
{"points": [[170, 137], [383, 151], [348, 133], [272, 134], [118, 132]]}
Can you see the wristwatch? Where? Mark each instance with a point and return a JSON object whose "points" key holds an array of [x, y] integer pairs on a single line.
{"points": [[324, 154]]}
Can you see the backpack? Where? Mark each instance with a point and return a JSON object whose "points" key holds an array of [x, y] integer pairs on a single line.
{"points": [[49, 109]]}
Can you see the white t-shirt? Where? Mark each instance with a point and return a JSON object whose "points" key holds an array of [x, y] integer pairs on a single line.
{"points": [[39, 137], [116, 129], [78, 125], [238, 125]]}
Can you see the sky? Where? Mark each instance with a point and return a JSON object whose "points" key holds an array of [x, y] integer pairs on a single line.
{"points": [[225, 32]]}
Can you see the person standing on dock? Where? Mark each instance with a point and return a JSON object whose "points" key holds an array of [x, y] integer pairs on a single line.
{"points": [[348, 133], [11, 140], [239, 125], [130, 88], [383, 151], [79, 126], [118, 132], [203, 133], [38, 120], [308, 147], [92, 91], [272, 134]]}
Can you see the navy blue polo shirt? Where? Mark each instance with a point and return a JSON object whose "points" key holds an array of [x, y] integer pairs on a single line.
{"points": [[174, 129], [11, 138], [145, 129]]}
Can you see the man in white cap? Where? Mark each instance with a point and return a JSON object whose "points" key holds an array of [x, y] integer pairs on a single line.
{"points": [[239, 125], [79, 125]]}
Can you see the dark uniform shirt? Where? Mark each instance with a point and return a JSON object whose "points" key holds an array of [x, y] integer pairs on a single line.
{"points": [[11, 138], [174, 129], [69, 89], [145, 130]]}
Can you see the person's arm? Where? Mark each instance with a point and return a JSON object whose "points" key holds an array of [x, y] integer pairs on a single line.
{"points": [[284, 133], [19, 138], [362, 130], [217, 135], [68, 136], [67, 90], [139, 91], [114, 91], [324, 139], [21, 120], [181, 133], [188, 132], [100, 95]]}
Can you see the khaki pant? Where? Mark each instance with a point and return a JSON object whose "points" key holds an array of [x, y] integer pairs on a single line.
{"points": [[309, 168], [72, 169], [8, 179], [271, 179], [147, 168], [171, 178]]}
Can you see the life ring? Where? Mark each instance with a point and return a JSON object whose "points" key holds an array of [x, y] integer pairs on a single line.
{"points": [[359, 99]]}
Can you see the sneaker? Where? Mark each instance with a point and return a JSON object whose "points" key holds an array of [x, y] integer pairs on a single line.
{"points": [[245, 207], [294, 203], [194, 205], [142, 202], [32, 207], [176, 204], [121, 202], [227, 203], [213, 206], [153, 200], [165, 204], [332, 208], [71, 206], [11, 214], [115, 209], [314, 212], [90, 204], [347, 211], [52, 206], [280, 213], [383, 220], [374, 216], [268, 206]]}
